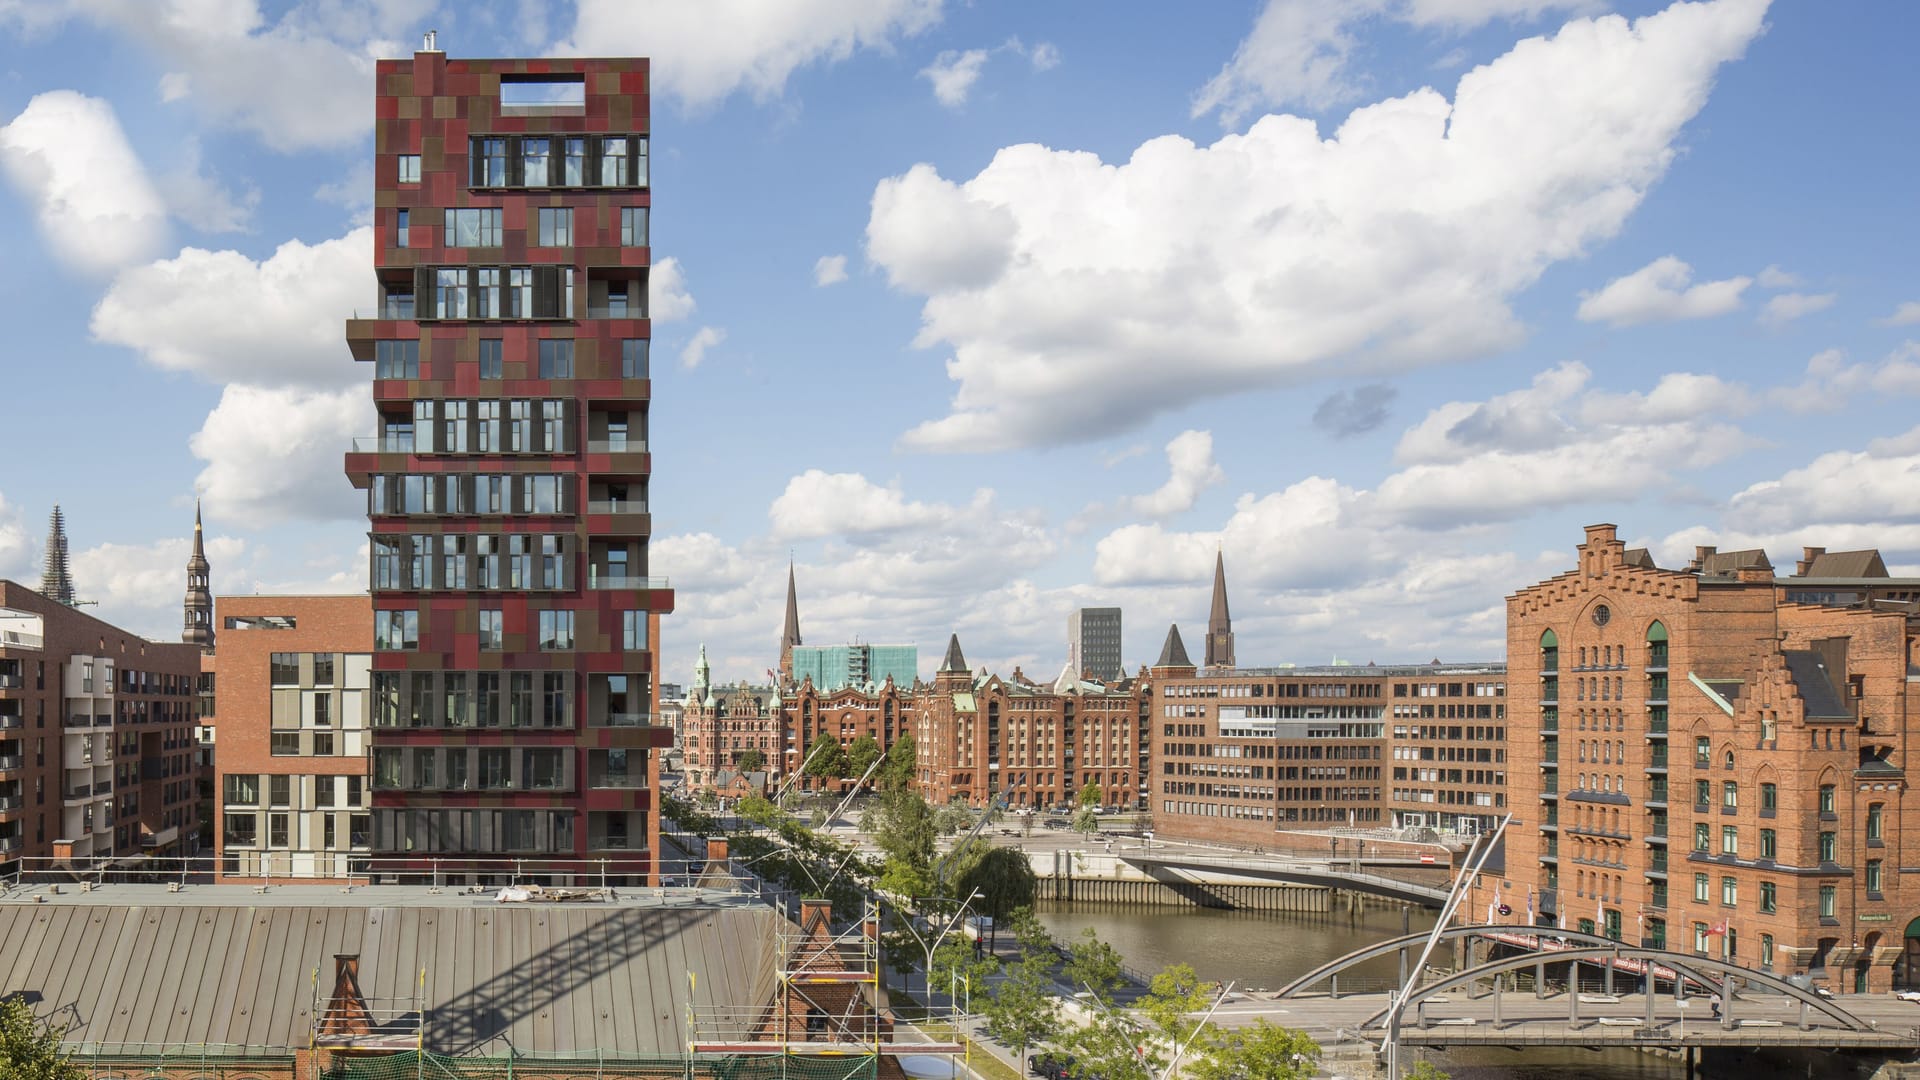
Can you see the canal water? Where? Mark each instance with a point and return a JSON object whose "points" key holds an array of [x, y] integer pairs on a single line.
{"points": [[1265, 950]]}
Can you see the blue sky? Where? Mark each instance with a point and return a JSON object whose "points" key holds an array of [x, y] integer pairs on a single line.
{"points": [[986, 311]]}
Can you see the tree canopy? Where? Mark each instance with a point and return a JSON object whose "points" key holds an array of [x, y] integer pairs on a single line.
{"points": [[861, 754], [750, 761], [29, 1049]]}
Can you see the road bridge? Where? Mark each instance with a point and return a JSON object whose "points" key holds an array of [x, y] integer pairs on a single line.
{"points": [[1340, 874]]}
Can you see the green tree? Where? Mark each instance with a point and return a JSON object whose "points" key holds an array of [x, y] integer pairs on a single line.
{"points": [[828, 762], [902, 765], [1110, 1045], [1085, 821], [1422, 1070], [861, 755], [1023, 1010], [1090, 794], [953, 818], [955, 963], [1093, 965], [750, 761], [1004, 879], [1261, 1051], [29, 1049], [759, 810], [901, 825]]}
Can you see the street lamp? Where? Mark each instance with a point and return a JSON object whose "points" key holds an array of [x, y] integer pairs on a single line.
{"points": [[942, 936]]}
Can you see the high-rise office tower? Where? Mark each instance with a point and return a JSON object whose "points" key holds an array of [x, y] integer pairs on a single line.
{"points": [[1093, 643], [514, 619]]}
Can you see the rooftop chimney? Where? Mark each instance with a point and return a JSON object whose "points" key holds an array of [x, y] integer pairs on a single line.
{"points": [[347, 1012], [716, 849], [431, 43], [1700, 554], [812, 909], [1807, 555]]}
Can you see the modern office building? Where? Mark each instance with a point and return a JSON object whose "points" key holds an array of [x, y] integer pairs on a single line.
{"points": [[507, 483], [1714, 759], [96, 736], [1093, 643], [830, 667], [293, 703]]}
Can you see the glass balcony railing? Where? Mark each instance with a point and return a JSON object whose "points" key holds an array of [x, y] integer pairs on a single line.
{"points": [[383, 444], [616, 446], [10, 762], [610, 581], [624, 781], [627, 719], [617, 506]]}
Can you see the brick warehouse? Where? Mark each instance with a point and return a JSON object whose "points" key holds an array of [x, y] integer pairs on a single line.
{"points": [[97, 736], [507, 483], [1714, 759]]}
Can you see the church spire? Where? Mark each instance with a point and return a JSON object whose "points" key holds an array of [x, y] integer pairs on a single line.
{"points": [[56, 580], [1219, 623], [198, 608], [790, 633]]}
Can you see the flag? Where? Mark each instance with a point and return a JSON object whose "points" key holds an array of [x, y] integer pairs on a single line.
{"points": [[1718, 928], [1529, 907]]}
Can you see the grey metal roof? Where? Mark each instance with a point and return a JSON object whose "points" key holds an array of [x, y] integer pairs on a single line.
{"points": [[1847, 564], [545, 977], [1816, 687]]}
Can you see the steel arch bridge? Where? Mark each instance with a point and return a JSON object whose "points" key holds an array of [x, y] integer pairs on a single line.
{"points": [[1591, 948]]}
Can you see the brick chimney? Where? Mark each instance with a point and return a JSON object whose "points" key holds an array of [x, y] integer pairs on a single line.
{"points": [[1700, 554], [811, 909], [716, 849], [1807, 555], [347, 1013]]}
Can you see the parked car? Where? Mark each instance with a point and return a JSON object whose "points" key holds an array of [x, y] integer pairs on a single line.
{"points": [[1052, 1066]]}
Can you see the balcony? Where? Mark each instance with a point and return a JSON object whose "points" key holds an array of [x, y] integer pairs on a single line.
{"points": [[616, 446], [11, 802], [78, 791], [11, 680], [605, 582], [159, 839], [617, 781], [11, 762], [381, 444], [9, 845], [627, 719], [10, 720]]}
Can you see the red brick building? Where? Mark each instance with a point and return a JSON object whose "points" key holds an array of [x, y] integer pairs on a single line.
{"points": [[294, 704], [1703, 764], [507, 483], [97, 736], [981, 736]]}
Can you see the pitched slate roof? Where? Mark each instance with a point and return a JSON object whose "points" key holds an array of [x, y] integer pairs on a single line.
{"points": [[1847, 564], [954, 660], [1727, 562], [1815, 683], [1174, 652]]}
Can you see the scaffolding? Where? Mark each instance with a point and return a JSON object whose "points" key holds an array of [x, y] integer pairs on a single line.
{"points": [[348, 1021], [829, 1016]]}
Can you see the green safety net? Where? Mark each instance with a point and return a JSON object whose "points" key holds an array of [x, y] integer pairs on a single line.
{"points": [[431, 1066]]}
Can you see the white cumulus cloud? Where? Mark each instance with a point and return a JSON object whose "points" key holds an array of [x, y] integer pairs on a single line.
{"points": [[230, 60], [702, 53], [667, 297], [830, 270], [1191, 471], [1298, 50], [226, 317], [276, 454], [695, 351], [1907, 314], [1787, 307], [68, 157], [1063, 284], [953, 74], [1661, 291]]}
